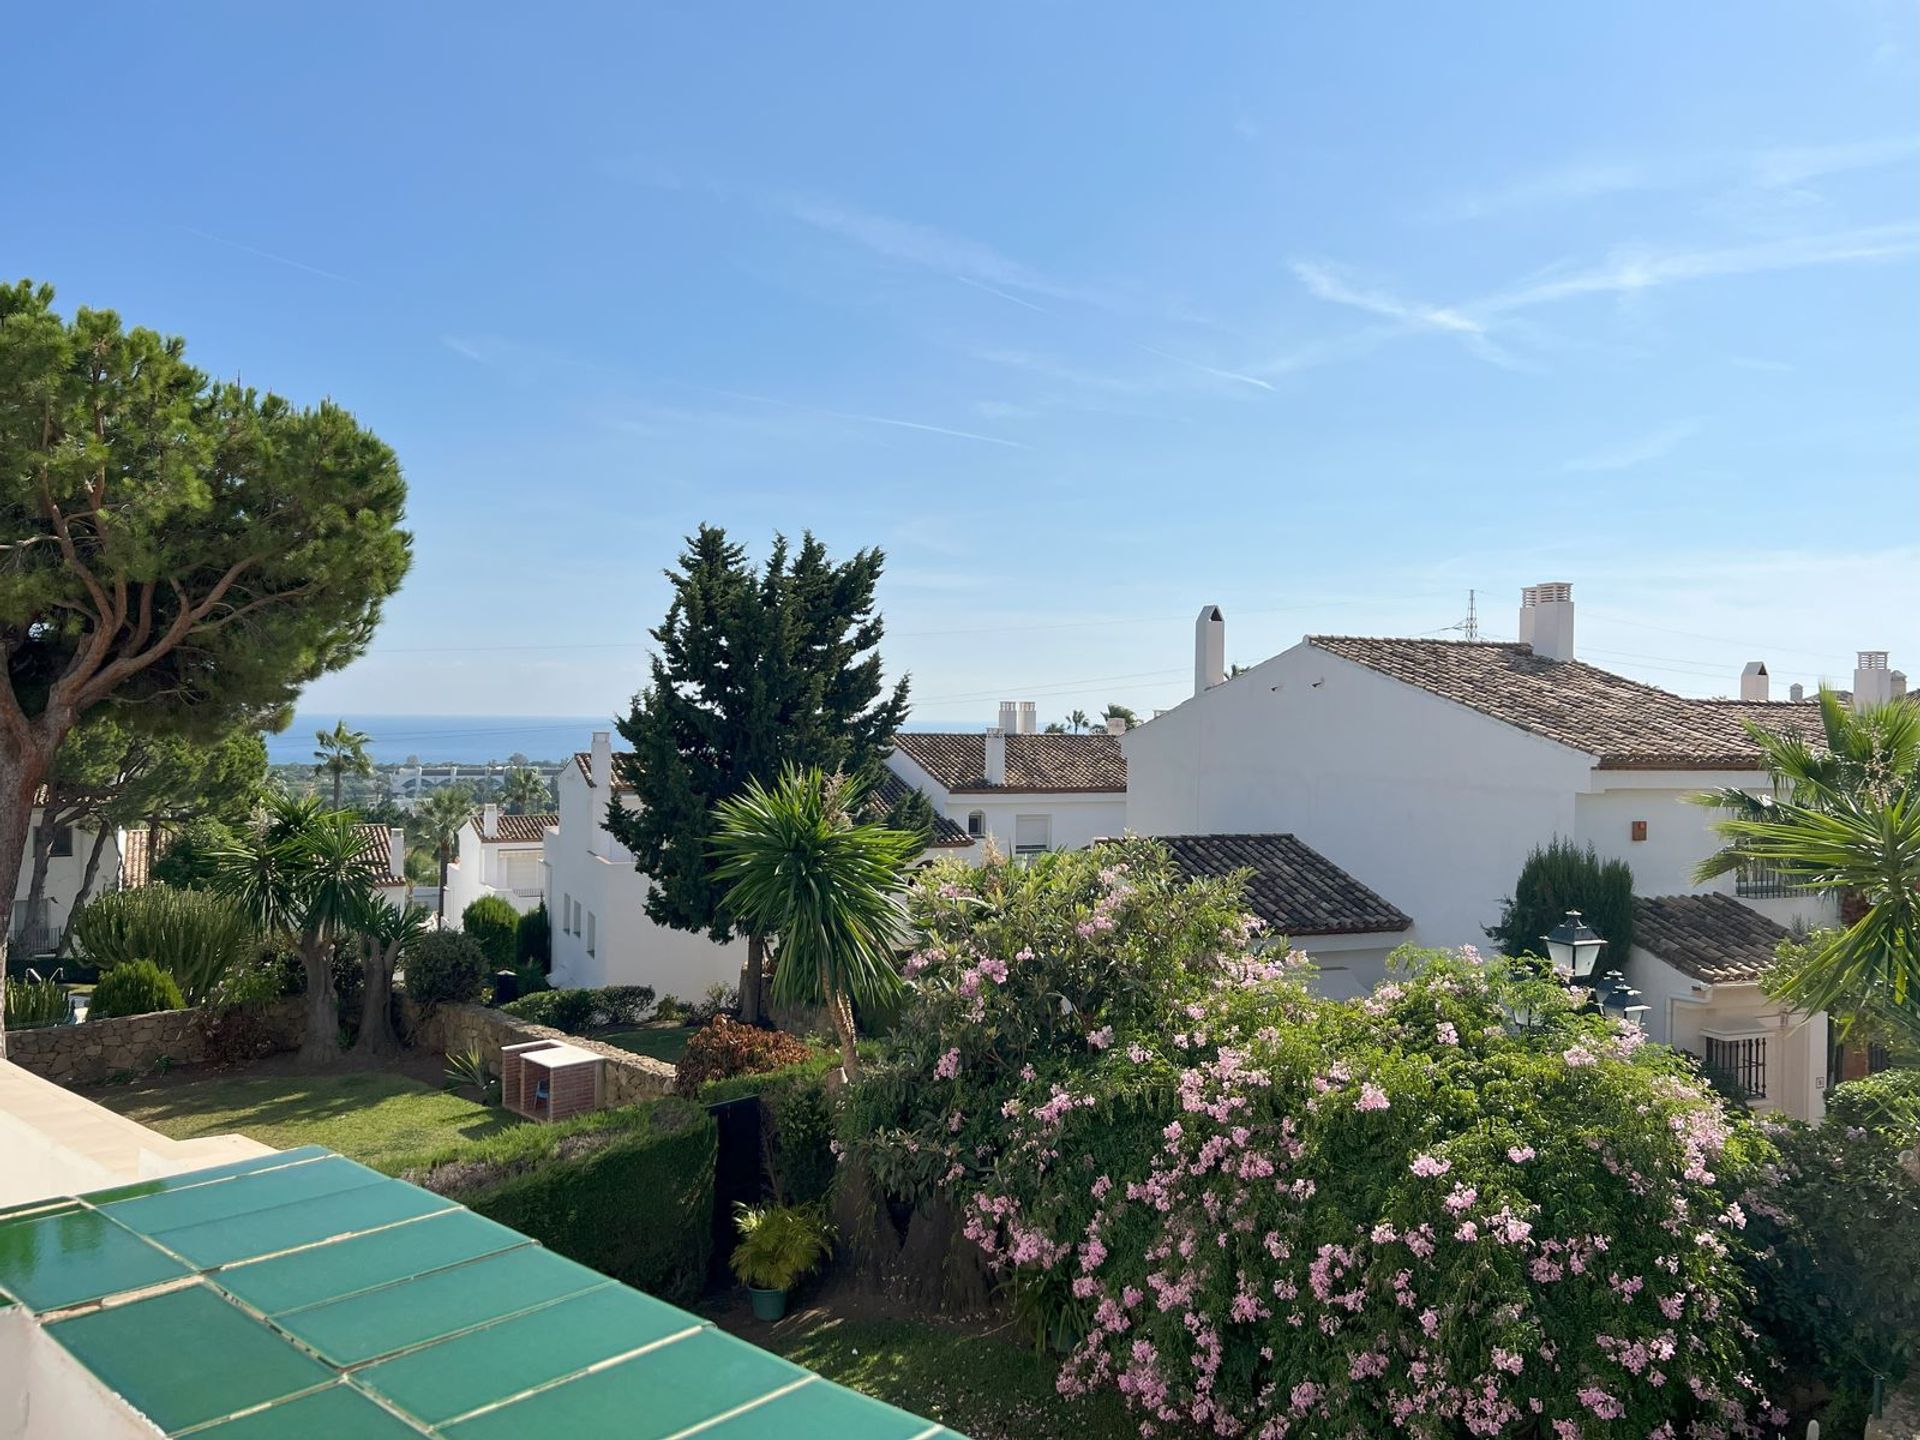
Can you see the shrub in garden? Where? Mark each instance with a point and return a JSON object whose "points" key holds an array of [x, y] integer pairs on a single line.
{"points": [[494, 925], [138, 987], [1562, 876], [723, 1048], [193, 935], [533, 941], [627, 1191], [1887, 1101], [796, 1125], [33, 1000], [1265, 1213], [445, 967], [580, 1011]]}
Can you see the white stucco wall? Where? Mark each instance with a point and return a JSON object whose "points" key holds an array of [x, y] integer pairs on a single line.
{"points": [[1075, 820], [1349, 966], [514, 872], [65, 871], [588, 867], [1430, 804], [1683, 1011]]}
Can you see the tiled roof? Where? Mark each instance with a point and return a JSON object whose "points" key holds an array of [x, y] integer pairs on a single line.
{"points": [[1711, 937], [136, 858], [1625, 724], [514, 829], [1035, 763], [584, 759], [1294, 888], [890, 789], [376, 848]]}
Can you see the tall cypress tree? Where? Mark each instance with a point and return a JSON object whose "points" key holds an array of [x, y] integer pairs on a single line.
{"points": [[753, 670]]}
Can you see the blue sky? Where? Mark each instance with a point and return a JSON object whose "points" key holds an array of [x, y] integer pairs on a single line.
{"points": [[1088, 314]]}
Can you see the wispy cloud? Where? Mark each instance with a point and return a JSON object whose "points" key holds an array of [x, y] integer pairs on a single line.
{"points": [[1640, 451], [286, 260], [1234, 376], [1797, 164], [1324, 283], [861, 419]]}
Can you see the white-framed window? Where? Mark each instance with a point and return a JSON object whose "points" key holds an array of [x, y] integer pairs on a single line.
{"points": [[593, 931], [977, 823], [1032, 834]]}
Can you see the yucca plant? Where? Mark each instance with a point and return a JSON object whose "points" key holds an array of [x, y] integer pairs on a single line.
{"points": [[797, 867], [33, 1001], [779, 1246]]}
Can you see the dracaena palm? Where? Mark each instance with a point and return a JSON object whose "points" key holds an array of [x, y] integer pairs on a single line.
{"points": [[795, 865], [386, 932], [1843, 819]]}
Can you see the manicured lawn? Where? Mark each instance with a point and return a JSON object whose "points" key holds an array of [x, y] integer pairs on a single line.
{"points": [[378, 1118], [657, 1042], [981, 1385]]}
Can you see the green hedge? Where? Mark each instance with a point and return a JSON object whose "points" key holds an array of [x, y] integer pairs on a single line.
{"points": [[1887, 1101], [578, 1011], [627, 1191], [796, 1125]]}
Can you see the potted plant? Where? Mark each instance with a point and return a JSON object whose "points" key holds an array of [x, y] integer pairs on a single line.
{"points": [[779, 1246]]}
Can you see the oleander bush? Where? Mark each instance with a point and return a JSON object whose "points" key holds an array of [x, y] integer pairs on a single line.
{"points": [[1457, 1204], [137, 987], [723, 1048]]}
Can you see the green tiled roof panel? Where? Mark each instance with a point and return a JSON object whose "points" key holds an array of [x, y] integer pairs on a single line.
{"points": [[302, 1295]]}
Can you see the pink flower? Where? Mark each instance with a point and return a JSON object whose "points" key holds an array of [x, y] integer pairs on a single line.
{"points": [[1426, 1166], [1446, 1034], [1520, 1154], [1577, 1056], [948, 1065], [1100, 1039], [1372, 1097]]}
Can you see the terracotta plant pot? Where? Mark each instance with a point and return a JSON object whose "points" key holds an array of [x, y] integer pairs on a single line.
{"points": [[768, 1304]]}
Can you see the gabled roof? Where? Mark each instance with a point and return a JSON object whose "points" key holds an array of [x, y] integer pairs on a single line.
{"points": [[376, 848], [1058, 764], [1710, 937], [1625, 724], [584, 759], [514, 829], [1293, 887], [890, 789]]}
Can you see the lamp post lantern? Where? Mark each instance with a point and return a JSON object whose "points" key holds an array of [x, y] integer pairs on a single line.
{"points": [[1574, 948]]}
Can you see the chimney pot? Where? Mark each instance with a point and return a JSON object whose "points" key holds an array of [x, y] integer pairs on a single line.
{"points": [[1796, 692], [996, 766], [1546, 619], [489, 820], [1872, 680], [601, 763], [1025, 717], [1009, 716], [396, 851], [1209, 649], [1754, 683], [1116, 725]]}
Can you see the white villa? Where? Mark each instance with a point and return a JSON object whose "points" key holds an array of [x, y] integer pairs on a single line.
{"points": [[499, 854], [122, 863], [1430, 768]]}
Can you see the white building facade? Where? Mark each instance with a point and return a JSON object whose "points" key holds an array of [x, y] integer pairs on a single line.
{"points": [[36, 930], [498, 854]]}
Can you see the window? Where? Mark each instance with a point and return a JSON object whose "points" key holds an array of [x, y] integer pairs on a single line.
{"points": [[1759, 882], [62, 841], [1743, 1061], [593, 931], [576, 917], [566, 914], [1032, 834], [977, 823]]}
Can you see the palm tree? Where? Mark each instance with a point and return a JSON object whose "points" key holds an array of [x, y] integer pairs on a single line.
{"points": [[1078, 722], [1844, 819], [386, 932], [305, 872], [526, 791], [441, 815], [1121, 713], [342, 752], [799, 868]]}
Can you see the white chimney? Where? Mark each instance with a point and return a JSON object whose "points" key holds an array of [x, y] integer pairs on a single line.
{"points": [[1025, 719], [1209, 649], [1009, 720], [996, 767], [1872, 680], [489, 820], [1796, 692], [1116, 725], [1754, 684], [1546, 619], [600, 763], [396, 851], [1899, 684]]}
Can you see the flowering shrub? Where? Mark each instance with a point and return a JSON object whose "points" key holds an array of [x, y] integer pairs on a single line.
{"points": [[1267, 1214], [724, 1048]]}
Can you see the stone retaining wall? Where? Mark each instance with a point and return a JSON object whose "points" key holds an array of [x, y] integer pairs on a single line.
{"points": [[451, 1029], [96, 1050]]}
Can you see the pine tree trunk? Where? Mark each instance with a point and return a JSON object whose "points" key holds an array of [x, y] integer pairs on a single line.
{"points": [[22, 766], [376, 1039], [321, 1046], [80, 896], [750, 987], [42, 841], [841, 1009]]}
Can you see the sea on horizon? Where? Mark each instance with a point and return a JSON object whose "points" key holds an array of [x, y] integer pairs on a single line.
{"points": [[443, 739]]}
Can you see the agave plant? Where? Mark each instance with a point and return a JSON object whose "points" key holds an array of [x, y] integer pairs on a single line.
{"points": [[469, 1067]]}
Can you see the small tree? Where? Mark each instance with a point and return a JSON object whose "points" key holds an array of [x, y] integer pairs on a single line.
{"points": [[386, 932], [493, 925], [526, 792], [1078, 722], [185, 551], [797, 867], [442, 816], [342, 752], [1559, 877], [754, 670]]}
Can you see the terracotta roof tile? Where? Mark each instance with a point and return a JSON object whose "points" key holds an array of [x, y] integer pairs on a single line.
{"points": [[1711, 937], [376, 848], [1625, 724], [584, 759], [1035, 763], [136, 859], [1294, 888], [515, 829]]}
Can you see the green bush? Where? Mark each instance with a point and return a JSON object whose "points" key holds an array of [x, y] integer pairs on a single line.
{"points": [[1559, 877], [193, 935], [780, 1245], [138, 987], [444, 967], [494, 925], [1236, 1200], [34, 1000], [723, 1048], [269, 972], [796, 1125], [628, 1192], [533, 942], [579, 1011], [187, 858], [1889, 1101]]}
